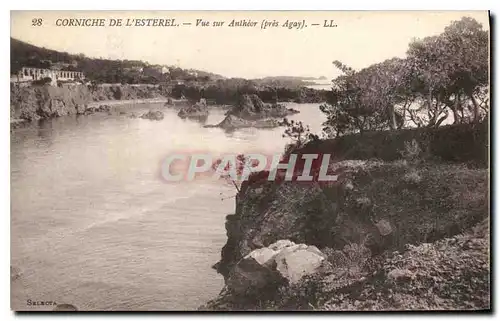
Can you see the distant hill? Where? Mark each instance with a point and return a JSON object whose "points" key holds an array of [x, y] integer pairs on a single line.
{"points": [[125, 71], [24, 54], [100, 70]]}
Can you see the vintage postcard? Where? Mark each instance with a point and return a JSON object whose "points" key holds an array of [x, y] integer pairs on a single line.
{"points": [[250, 160]]}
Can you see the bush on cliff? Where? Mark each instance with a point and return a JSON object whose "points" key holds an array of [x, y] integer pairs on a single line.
{"points": [[452, 143]]}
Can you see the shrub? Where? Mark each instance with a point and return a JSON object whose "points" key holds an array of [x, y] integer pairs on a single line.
{"points": [[412, 177], [299, 134], [412, 150]]}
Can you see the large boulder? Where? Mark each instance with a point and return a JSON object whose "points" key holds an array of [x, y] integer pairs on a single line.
{"points": [[281, 263], [153, 115]]}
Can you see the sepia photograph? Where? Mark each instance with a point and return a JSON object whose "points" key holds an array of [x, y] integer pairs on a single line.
{"points": [[250, 161]]}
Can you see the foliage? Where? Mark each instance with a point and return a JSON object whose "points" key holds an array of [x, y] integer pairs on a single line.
{"points": [[100, 70], [234, 172], [441, 76], [411, 151], [298, 133], [227, 91], [451, 70]]}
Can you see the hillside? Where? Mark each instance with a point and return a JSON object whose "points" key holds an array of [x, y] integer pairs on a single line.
{"points": [[125, 71], [100, 70], [399, 230]]}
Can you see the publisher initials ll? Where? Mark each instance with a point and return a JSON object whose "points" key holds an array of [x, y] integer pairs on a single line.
{"points": [[329, 24]]}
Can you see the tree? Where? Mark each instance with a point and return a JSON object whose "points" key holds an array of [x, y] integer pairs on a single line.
{"points": [[451, 69], [442, 74], [383, 89], [347, 108], [233, 172], [298, 133]]}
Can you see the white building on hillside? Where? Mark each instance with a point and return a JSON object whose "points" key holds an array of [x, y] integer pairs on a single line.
{"points": [[31, 74]]}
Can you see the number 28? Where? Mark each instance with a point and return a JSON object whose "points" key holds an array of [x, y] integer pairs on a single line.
{"points": [[37, 22]]}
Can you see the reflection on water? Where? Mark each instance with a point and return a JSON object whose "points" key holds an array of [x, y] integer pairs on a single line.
{"points": [[93, 225]]}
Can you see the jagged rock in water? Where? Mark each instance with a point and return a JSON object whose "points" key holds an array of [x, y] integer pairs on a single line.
{"points": [[90, 110], [251, 107], [281, 263], [100, 109], [232, 122], [196, 111], [153, 115], [104, 108]]}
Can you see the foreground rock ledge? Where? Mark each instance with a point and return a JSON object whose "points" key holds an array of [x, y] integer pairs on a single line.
{"points": [[281, 263]]}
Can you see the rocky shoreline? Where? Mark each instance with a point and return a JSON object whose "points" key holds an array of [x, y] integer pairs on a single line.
{"points": [[391, 234], [40, 102]]}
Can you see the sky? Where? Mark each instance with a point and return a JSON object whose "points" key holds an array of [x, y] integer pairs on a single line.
{"points": [[360, 39]]}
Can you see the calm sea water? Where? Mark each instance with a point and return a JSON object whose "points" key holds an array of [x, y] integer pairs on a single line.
{"points": [[93, 225], [321, 86]]}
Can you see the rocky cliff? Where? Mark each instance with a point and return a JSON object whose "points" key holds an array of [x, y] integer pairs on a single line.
{"points": [[37, 102], [380, 226], [33, 103]]}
